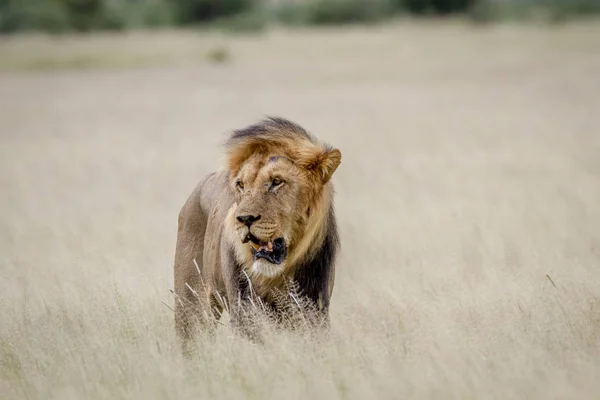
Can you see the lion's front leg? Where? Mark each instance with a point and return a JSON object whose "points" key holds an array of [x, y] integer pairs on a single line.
{"points": [[194, 314], [244, 324], [295, 310], [242, 307]]}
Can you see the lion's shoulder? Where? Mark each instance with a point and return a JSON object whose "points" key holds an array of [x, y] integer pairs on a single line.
{"points": [[316, 273]]}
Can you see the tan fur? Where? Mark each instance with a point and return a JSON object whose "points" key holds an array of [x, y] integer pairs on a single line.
{"points": [[209, 233]]}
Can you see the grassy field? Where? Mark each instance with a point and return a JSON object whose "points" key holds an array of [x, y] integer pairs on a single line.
{"points": [[468, 200]]}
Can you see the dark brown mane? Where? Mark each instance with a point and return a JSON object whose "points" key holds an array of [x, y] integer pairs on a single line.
{"points": [[268, 127], [279, 136]]}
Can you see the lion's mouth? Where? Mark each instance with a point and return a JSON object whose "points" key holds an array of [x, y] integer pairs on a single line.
{"points": [[272, 251]]}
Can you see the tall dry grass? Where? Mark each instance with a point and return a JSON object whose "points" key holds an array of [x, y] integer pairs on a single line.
{"points": [[468, 200]]}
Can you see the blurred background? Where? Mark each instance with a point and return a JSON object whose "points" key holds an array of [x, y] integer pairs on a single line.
{"points": [[468, 195], [88, 15]]}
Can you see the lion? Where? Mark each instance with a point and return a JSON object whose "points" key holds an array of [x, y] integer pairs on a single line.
{"points": [[262, 222]]}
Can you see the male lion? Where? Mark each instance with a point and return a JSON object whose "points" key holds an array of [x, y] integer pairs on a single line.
{"points": [[251, 229]]}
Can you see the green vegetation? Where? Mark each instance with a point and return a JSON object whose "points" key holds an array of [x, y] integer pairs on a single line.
{"points": [[252, 15], [83, 15], [549, 10], [335, 12], [218, 55]]}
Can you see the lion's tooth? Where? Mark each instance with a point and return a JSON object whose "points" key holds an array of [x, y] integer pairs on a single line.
{"points": [[270, 245], [254, 245]]}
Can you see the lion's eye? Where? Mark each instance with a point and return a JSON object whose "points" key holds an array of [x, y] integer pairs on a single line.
{"points": [[240, 184], [276, 182]]}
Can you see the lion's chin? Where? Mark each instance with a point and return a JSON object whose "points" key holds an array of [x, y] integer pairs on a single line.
{"points": [[269, 257], [262, 267], [274, 251]]}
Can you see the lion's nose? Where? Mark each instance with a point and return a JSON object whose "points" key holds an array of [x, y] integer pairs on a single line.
{"points": [[248, 219]]}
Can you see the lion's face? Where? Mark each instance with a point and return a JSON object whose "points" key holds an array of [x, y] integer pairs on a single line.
{"points": [[280, 177], [273, 197]]}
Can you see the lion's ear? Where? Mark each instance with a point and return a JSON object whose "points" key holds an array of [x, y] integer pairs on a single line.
{"points": [[329, 163], [322, 162]]}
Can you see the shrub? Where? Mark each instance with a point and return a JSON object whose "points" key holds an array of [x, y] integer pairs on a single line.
{"points": [[218, 55], [564, 9], [335, 12], [39, 15], [322, 12], [248, 22], [82, 15], [326, 12], [435, 6], [125, 14], [546, 10], [195, 11]]}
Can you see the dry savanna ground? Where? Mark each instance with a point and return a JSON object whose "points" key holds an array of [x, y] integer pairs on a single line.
{"points": [[468, 202]]}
